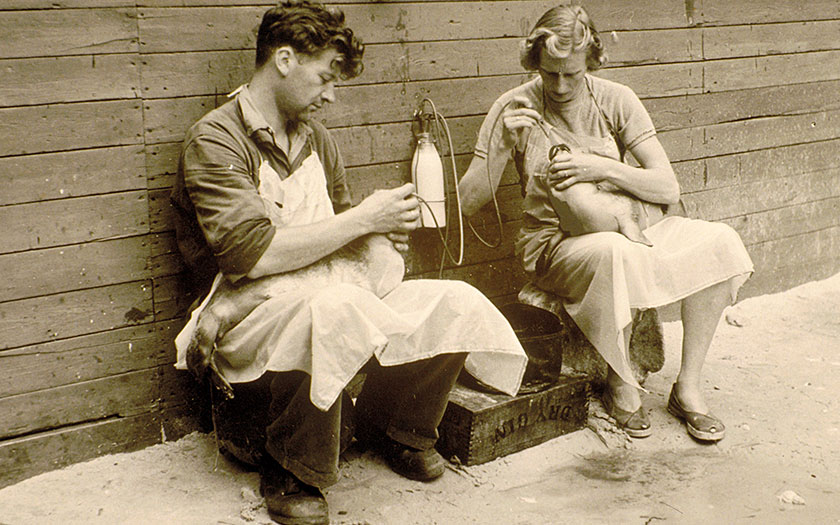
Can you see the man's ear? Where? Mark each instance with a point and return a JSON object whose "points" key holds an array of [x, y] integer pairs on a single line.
{"points": [[284, 59]]}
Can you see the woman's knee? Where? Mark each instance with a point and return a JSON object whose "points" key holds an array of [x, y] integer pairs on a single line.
{"points": [[726, 234]]}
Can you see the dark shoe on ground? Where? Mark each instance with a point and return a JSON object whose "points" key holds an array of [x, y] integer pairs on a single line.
{"points": [[409, 462], [704, 427], [635, 424], [419, 465], [290, 501]]}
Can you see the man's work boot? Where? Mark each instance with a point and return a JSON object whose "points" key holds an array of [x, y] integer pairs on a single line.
{"points": [[409, 462], [289, 500], [412, 463]]}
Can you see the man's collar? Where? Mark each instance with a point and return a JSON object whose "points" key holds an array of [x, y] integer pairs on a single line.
{"points": [[254, 121]]}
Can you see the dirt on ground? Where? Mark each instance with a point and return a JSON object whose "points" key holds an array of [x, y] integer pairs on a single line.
{"points": [[772, 376]]}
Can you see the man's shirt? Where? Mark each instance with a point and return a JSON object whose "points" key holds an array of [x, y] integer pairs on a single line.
{"points": [[220, 219]]}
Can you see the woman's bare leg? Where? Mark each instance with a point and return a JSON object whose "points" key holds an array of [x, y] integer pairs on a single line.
{"points": [[701, 314]]}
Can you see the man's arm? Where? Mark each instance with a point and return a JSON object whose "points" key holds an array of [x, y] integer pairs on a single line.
{"points": [[395, 210]]}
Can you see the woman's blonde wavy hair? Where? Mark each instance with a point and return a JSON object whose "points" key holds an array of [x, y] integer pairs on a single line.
{"points": [[560, 31]]}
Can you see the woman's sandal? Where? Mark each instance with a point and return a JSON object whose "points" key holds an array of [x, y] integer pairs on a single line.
{"points": [[635, 424], [704, 427]]}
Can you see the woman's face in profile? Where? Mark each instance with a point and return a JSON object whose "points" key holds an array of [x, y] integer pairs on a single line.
{"points": [[562, 77]]}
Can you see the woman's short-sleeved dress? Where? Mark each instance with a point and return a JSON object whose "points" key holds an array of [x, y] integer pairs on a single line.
{"points": [[603, 276]]}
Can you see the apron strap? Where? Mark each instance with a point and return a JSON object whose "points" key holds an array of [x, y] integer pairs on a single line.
{"points": [[622, 148]]}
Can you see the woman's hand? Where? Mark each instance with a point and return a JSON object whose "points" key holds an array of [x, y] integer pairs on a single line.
{"points": [[518, 115], [567, 169]]}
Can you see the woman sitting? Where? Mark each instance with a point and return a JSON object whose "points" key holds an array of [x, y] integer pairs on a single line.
{"points": [[603, 276]]}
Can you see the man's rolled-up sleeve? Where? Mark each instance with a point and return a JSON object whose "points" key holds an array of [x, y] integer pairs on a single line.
{"points": [[227, 204]]}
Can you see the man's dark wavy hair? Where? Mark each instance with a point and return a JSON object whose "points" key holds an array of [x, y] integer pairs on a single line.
{"points": [[309, 28]]}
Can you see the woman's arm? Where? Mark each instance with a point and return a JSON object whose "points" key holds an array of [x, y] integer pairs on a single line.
{"points": [[652, 181], [476, 186]]}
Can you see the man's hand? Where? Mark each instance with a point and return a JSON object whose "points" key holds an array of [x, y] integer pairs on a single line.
{"points": [[394, 210], [399, 240]]}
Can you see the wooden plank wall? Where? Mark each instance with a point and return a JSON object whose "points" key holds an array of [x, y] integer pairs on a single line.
{"points": [[96, 95]]}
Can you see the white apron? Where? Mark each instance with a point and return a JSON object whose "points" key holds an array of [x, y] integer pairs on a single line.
{"points": [[331, 331]]}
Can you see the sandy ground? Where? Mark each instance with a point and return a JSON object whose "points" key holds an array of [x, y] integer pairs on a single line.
{"points": [[772, 376]]}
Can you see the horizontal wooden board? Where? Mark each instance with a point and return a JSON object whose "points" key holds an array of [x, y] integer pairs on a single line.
{"points": [[785, 161], [56, 32], [786, 277], [78, 359], [198, 29], [27, 456], [795, 250], [207, 3], [180, 388], [127, 394], [760, 133], [357, 105], [208, 27], [172, 297], [70, 221], [723, 12], [81, 78], [161, 125], [778, 162], [661, 46], [63, 4], [394, 142], [70, 314], [160, 210], [787, 221], [165, 259], [70, 126], [761, 195], [771, 39], [386, 143], [219, 72], [659, 80], [75, 267], [727, 75], [203, 28], [168, 119], [713, 108], [49, 176], [196, 73], [691, 174], [214, 72], [793, 260], [161, 164], [167, 331]]}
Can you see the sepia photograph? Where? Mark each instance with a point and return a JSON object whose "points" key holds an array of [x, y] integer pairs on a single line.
{"points": [[419, 262]]}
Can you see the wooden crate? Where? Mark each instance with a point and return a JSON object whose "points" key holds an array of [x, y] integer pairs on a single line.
{"points": [[478, 427]]}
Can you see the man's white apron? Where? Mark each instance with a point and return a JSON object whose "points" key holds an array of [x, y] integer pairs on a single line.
{"points": [[332, 332]]}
